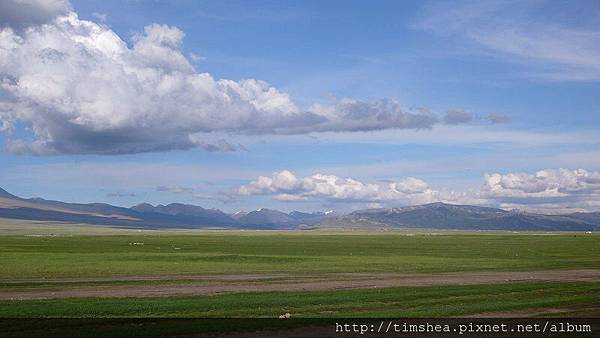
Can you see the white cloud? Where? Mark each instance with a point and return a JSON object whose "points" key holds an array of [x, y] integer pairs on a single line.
{"points": [[550, 190], [197, 58], [286, 186], [23, 13], [83, 90], [568, 188], [102, 17]]}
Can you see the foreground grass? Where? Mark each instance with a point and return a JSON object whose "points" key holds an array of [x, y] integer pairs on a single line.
{"points": [[437, 301], [26, 257]]}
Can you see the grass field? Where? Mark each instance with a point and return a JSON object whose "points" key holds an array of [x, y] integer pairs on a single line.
{"points": [[25, 257], [34, 258], [434, 301]]}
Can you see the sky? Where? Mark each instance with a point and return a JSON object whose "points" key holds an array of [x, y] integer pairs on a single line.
{"points": [[302, 105]]}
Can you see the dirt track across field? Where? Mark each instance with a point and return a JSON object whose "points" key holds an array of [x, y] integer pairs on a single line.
{"points": [[216, 284]]}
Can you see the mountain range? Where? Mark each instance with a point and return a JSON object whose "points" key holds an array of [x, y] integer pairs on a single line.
{"points": [[174, 215], [463, 217], [177, 215]]}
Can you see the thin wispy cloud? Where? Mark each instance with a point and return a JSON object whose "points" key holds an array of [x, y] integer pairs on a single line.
{"points": [[121, 194], [101, 17], [175, 189], [133, 175], [516, 31], [197, 194]]}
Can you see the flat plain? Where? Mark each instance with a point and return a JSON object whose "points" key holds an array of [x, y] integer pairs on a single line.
{"points": [[60, 270]]}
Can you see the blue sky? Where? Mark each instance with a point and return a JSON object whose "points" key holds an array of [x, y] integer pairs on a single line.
{"points": [[522, 78]]}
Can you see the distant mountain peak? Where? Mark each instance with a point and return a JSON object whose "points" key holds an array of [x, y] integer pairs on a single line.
{"points": [[6, 194], [267, 210], [239, 214], [143, 207], [437, 204], [444, 205]]}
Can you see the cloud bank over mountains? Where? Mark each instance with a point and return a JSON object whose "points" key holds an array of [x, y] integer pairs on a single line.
{"points": [[556, 190], [550, 188], [80, 89], [286, 186]]}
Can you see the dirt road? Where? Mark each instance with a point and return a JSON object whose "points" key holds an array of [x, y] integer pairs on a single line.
{"points": [[216, 284]]}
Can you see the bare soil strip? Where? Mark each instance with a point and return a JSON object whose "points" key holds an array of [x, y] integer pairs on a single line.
{"points": [[252, 283], [165, 277]]}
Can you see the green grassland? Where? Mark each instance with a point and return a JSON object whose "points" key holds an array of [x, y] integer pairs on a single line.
{"points": [[26, 257], [45, 256], [454, 300]]}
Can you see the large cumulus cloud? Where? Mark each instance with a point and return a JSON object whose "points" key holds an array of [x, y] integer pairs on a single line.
{"points": [[20, 14], [549, 190], [81, 89]]}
